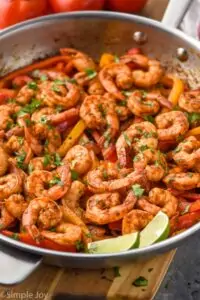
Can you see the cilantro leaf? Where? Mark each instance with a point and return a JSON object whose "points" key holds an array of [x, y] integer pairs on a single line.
{"points": [[137, 190], [91, 73], [32, 85], [74, 175], [140, 281]]}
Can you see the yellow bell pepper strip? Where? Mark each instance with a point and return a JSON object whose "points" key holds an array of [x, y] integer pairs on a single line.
{"points": [[177, 90], [106, 59], [70, 216], [194, 131], [72, 138]]}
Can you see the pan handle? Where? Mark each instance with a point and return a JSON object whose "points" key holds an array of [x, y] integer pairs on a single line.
{"points": [[175, 12], [16, 265]]}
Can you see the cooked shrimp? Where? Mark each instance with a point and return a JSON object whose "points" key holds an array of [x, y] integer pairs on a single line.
{"points": [[190, 101], [143, 103], [171, 125], [49, 184], [98, 113], [66, 234], [10, 184], [187, 154], [115, 77], [138, 135], [135, 221], [159, 199], [121, 108], [153, 162], [53, 94], [6, 113], [32, 141], [4, 161], [16, 205], [79, 159], [139, 60], [146, 79], [107, 179], [72, 197], [42, 163], [93, 86], [41, 213], [79, 60], [6, 219], [97, 232], [25, 95], [18, 145], [106, 208], [49, 115], [183, 181]]}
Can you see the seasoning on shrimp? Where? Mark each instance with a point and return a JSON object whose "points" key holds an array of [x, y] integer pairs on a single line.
{"points": [[90, 151]]}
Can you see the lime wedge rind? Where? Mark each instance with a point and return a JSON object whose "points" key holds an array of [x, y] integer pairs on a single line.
{"points": [[157, 230], [114, 245]]}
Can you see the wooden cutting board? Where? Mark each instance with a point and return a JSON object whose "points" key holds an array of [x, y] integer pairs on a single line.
{"points": [[115, 284]]}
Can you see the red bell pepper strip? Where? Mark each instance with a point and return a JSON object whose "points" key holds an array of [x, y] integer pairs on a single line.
{"points": [[134, 51], [188, 220], [115, 225], [21, 80], [195, 206], [44, 243]]}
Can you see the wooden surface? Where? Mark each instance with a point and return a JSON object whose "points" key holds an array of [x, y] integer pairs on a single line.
{"points": [[48, 282]]}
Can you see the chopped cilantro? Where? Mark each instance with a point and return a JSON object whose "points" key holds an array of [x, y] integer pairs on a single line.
{"points": [[190, 175], [178, 149], [105, 174], [9, 125], [59, 108], [102, 110], [72, 80], [11, 100], [149, 119], [29, 108], [89, 235], [108, 139], [20, 160], [140, 281], [150, 134], [91, 73], [32, 85], [126, 93], [57, 160], [137, 190], [43, 77], [28, 122], [79, 245], [46, 143], [56, 88], [116, 271], [55, 180], [136, 158], [74, 175], [122, 103], [20, 140], [15, 236], [193, 118], [127, 140], [143, 148], [46, 160], [59, 82], [144, 93]]}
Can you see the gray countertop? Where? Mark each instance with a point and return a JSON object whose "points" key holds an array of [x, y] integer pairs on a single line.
{"points": [[182, 281]]}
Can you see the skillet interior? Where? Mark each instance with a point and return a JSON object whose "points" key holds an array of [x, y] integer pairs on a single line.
{"points": [[95, 33]]}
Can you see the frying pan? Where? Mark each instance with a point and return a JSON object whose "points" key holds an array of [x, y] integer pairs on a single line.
{"points": [[93, 33]]}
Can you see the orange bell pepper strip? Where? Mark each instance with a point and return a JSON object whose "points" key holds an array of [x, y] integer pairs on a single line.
{"points": [[194, 131], [44, 243], [38, 65], [106, 59], [72, 138], [177, 90]]}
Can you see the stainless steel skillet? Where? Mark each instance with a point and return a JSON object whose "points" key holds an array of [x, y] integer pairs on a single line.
{"points": [[94, 33]]}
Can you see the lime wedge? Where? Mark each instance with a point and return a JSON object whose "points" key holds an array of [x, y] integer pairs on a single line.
{"points": [[157, 230], [118, 244]]}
